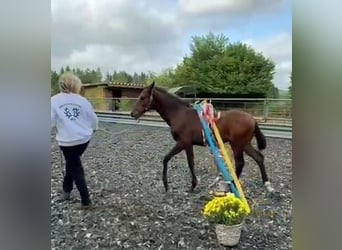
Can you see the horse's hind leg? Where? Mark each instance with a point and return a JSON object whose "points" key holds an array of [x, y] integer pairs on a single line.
{"points": [[175, 150], [259, 159], [239, 160], [190, 156]]}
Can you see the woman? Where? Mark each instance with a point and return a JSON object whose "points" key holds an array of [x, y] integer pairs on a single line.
{"points": [[76, 121]]}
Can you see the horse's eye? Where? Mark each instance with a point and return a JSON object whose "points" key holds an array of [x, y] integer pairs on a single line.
{"points": [[142, 98]]}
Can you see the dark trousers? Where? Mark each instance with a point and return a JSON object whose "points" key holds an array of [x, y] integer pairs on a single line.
{"points": [[74, 171]]}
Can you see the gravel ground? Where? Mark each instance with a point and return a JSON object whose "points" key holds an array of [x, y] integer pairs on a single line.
{"points": [[131, 210]]}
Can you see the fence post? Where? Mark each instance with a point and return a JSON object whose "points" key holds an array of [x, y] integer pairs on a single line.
{"points": [[265, 111]]}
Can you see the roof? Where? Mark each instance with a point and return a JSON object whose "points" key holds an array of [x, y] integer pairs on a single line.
{"points": [[93, 84], [188, 89], [127, 84], [115, 84]]}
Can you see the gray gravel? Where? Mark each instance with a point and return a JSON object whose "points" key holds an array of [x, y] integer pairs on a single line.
{"points": [[131, 211]]}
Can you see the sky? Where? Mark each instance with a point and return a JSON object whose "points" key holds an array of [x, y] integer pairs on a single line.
{"points": [[152, 35]]}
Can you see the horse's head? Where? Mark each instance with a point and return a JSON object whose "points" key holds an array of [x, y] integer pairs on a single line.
{"points": [[144, 102]]}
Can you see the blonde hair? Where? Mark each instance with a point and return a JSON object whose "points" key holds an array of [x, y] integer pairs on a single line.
{"points": [[69, 83]]}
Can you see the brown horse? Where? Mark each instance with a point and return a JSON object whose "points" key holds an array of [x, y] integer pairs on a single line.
{"points": [[236, 127]]}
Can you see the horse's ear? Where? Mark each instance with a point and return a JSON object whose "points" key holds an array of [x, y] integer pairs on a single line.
{"points": [[150, 88]]}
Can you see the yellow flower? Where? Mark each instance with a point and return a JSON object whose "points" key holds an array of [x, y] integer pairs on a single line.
{"points": [[225, 210]]}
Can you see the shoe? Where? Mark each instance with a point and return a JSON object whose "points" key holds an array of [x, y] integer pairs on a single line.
{"points": [[65, 196], [86, 206]]}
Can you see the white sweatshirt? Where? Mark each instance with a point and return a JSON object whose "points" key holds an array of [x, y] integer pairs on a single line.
{"points": [[74, 118]]}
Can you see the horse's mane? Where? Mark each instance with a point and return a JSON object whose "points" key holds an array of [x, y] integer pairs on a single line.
{"points": [[172, 96]]}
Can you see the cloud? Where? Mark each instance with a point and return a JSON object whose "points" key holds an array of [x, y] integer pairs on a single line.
{"points": [[113, 34], [227, 7], [109, 58], [279, 49], [147, 35], [123, 24]]}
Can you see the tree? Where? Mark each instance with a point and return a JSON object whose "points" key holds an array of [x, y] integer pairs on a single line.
{"points": [[166, 78], [273, 92], [216, 66], [122, 76], [54, 83], [136, 78], [200, 68], [97, 76], [143, 77], [108, 77], [89, 75]]}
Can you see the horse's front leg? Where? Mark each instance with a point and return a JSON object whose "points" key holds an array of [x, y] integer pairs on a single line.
{"points": [[190, 156], [175, 150]]}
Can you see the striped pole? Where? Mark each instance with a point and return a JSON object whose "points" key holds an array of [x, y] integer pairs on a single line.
{"points": [[230, 166]]}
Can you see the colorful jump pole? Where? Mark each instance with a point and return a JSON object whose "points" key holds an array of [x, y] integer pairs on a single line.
{"points": [[230, 166], [219, 161], [227, 163]]}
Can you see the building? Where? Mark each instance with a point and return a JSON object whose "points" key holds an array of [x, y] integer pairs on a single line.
{"points": [[184, 91], [105, 96]]}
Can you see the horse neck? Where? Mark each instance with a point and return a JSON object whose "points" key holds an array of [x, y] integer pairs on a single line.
{"points": [[165, 106]]}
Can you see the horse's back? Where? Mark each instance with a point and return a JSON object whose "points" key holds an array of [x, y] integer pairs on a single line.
{"points": [[236, 126], [238, 115]]}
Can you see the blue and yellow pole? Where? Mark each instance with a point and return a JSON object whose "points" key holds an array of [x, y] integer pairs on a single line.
{"points": [[219, 161], [230, 175], [230, 166]]}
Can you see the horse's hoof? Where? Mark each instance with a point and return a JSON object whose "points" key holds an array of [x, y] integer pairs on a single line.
{"points": [[194, 184], [269, 187]]}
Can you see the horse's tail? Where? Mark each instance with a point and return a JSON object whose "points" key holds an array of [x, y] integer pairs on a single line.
{"points": [[260, 137]]}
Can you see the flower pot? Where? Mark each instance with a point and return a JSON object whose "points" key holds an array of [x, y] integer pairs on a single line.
{"points": [[228, 235]]}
